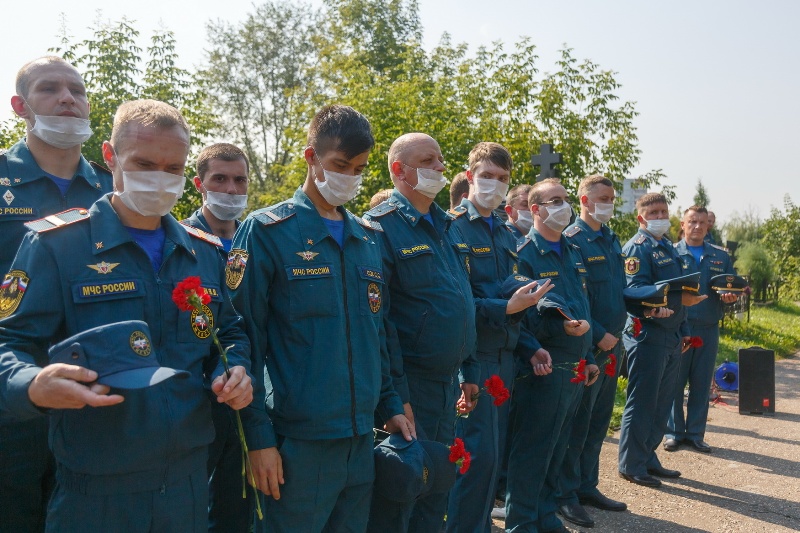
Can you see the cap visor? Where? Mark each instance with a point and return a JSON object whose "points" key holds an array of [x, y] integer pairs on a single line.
{"points": [[139, 378]]}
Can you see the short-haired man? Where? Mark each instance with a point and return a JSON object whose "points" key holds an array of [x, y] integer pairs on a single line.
{"points": [[136, 460], [712, 220], [538, 442], [601, 254], [459, 189], [493, 258], [431, 312], [519, 214], [308, 280], [697, 364], [222, 180], [40, 175], [653, 355], [379, 197]]}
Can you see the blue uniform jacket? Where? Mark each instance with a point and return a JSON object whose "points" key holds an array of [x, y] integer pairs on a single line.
{"points": [[538, 261], [314, 312], [198, 220], [28, 194], [602, 256], [648, 261], [430, 329], [713, 262], [89, 273], [492, 258]]}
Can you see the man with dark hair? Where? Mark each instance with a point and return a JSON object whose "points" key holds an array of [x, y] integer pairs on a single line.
{"points": [[221, 179], [653, 355], [135, 460], [697, 364], [493, 258], [601, 254], [519, 214], [430, 328], [459, 189], [40, 175], [308, 280]]}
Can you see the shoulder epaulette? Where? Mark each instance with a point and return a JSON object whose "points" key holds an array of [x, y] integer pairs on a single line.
{"points": [[371, 224], [98, 166], [275, 214], [381, 209], [64, 218], [640, 239], [457, 211], [571, 232], [202, 235], [523, 243], [718, 247]]}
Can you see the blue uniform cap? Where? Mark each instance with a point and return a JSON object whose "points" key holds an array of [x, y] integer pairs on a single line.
{"points": [[405, 471], [513, 283], [639, 299], [689, 282], [553, 302], [121, 353], [728, 283]]}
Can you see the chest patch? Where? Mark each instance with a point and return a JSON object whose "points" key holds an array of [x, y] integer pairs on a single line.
{"points": [[632, 266]]}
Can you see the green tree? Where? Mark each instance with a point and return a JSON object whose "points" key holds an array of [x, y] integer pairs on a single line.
{"points": [[754, 261], [701, 195], [745, 227], [781, 237]]}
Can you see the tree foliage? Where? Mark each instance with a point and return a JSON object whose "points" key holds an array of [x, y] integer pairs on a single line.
{"points": [[754, 261], [701, 195]]}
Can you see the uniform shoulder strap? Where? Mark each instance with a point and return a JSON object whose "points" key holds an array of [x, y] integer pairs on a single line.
{"points": [[59, 220], [202, 235]]}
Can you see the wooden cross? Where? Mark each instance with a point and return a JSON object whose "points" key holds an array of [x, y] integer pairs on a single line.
{"points": [[546, 159]]}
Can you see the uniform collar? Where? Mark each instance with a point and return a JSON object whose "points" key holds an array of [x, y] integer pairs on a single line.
{"points": [[664, 239], [410, 213], [591, 234], [683, 247], [23, 167], [108, 232], [312, 226], [542, 244], [198, 220], [474, 214]]}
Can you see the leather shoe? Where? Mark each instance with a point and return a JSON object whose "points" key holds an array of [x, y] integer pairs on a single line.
{"points": [[700, 445], [575, 513], [646, 481], [663, 472], [672, 445], [599, 500]]}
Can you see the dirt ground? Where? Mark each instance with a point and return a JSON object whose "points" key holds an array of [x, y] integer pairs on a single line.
{"points": [[750, 483]]}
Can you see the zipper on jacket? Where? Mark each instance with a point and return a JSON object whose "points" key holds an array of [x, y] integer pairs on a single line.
{"points": [[349, 346]]}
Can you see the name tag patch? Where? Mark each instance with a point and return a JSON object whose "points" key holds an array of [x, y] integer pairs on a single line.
{"points": [[370, 273], [481, 250], [91, 290], [596, 259], [415, 250], [302, 272]]}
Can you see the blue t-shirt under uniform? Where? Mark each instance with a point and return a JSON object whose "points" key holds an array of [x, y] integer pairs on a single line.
{"points": [[152, 242], [555, 246], [226, 244], [696, 251], [63, 184], [336, 229]]}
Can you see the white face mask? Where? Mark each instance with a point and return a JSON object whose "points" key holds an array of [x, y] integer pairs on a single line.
{"points": [[524, 221], [225, 206], [150, 193], [602, 212], [489, 193], [61, 132], [338, 188], [429, 182], [558, 217], [658, 227]]}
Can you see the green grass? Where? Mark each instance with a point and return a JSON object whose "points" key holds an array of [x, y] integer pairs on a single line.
{"points": [[775, 327]]}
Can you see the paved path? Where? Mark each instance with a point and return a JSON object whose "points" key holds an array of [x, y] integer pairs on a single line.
{"points": [[750, 483]]}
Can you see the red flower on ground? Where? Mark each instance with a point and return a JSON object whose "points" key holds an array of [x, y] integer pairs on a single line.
{"points": [[611, 365], [497, 389], [695, 342], [637, 327], [189, 294], [579, 369], [460, 456]]}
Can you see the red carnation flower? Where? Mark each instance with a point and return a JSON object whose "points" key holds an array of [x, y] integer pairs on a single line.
{"points": [[637, 327], [611, 366], [497, 389], [460, 456], [695, 342], [189, 294], [580, 375], [466, 461]]}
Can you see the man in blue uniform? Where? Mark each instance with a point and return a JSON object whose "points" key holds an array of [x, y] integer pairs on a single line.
{"points": [[539, 440], [431, 314], [136, 462], [697, 364], [40, 175], [308, 280], [601, 254], [653, 356], [493, 257], [221, 179], [519, 214]]}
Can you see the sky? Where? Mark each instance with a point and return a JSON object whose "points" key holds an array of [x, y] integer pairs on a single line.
{"points": [[716, 82]]}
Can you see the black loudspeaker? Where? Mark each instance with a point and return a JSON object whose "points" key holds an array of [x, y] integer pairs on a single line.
{"points": [[756, 381]]}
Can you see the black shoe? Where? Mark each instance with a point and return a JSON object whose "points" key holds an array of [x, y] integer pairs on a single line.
{"points": [[663, 472], [597, 499], [646, 481], [573, 512], [672, 445], [700, 445]]}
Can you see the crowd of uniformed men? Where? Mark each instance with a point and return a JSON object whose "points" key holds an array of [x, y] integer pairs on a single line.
{"points": [[337, 324]]}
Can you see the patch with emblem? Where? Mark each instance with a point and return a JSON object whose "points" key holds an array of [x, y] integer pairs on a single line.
{"points": [[234, 268], [307, 255], [140, 344], [103, 267], [5, 181], [631, 265], [374, 297], [415, 250], [11, 291], [515, 268], [8, 197], [202, 322]]}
